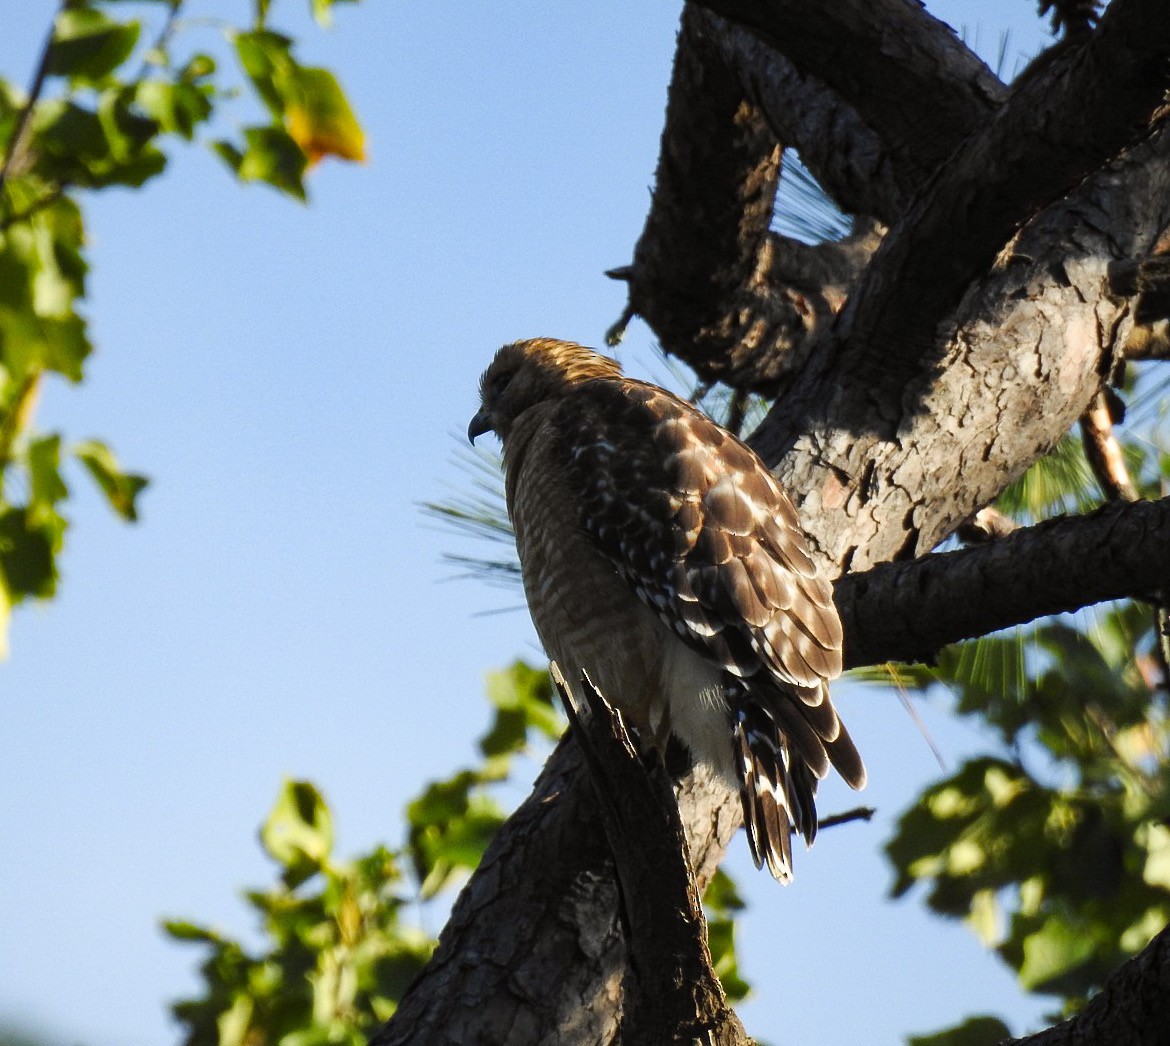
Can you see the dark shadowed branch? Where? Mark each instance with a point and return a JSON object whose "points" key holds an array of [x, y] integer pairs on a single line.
{"points": [[736, 301], [1054, 130], [908, 75], [909, 611], [1133, 1009]]}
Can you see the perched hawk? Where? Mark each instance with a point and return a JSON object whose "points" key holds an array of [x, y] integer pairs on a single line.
{"points": [[662, 558]]}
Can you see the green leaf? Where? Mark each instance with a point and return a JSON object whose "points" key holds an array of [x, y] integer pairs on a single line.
{"points": [[266, 58], [273, 157], [523, 699], [27, 562], [1156, 869], [178, 108], [199, 67], [724, 960], [1053, 951], [88, 45], [230, 155], [181, 930], [974, 1031], [323, 10], [44, 469], [74, 145], [233, 1023], [722, 896], [299, 832], [120, 488], [451, 824], [985, 918]]}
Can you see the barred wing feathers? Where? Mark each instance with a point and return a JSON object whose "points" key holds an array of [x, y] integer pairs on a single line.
{"points": [[699, 528]]}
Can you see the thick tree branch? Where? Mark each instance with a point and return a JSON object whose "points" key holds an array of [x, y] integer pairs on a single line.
{"points": [[670, 991], [739, 303], [909, 611], [1058, 127], [907, 75], [548, 876], [883, 470], [1133, 1009], [843, 153]]}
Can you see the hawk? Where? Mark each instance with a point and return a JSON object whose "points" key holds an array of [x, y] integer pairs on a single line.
{"points": [[662, 558]]}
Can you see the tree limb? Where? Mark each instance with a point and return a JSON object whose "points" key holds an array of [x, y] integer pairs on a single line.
{"points": [[909, 611], [1056, 128], [671, 993], [1133, 1009], [737, 302], [548, 876], [908, 75], [843, 153], [882, 470]]}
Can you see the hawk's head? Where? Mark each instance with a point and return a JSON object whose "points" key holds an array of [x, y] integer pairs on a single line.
{"points": [[526, 373]]}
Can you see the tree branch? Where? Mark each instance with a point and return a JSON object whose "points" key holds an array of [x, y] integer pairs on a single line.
{"points": [[1133, 1009], [909, 611], [1056, 128], [737, 302], [1103, 450], [843, 153], [908, 75], [670, 991], [548, 876], [16, 142], [883, 470]]}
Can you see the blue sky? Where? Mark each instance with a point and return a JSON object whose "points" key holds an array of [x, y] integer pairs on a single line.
{"points": [[291, 379]]}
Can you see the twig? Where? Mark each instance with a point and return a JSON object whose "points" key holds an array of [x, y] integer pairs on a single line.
{"points": [[615, 334], [34, 92], [988, 524], [164, 35], [858, 813], [736, 411]]}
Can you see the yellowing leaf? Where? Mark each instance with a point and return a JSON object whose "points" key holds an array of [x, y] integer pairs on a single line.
{"points": [[321, 121]]}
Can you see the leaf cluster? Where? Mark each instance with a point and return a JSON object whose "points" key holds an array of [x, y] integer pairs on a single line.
{"points": [[1055, 847], [340, 946], [103, 104]]}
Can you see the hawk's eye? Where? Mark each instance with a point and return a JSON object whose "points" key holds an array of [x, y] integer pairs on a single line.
{"points": [[499, 381]]}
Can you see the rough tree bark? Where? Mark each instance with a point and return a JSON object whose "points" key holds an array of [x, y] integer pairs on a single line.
{"points": [[917, 371]]}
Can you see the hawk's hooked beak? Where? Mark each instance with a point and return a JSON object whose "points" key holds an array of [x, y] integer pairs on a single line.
{"points": [[480, 424]]}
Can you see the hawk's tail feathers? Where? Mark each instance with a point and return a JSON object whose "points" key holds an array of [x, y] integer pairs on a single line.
{"points": [[776, 792]]}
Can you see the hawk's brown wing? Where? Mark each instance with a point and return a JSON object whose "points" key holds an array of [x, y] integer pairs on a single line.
{"points": [[695, 523]]}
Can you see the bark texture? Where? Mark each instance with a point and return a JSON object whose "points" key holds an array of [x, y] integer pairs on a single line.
{"points": [[917, 371], [1132, 1010], [671, 993]]}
